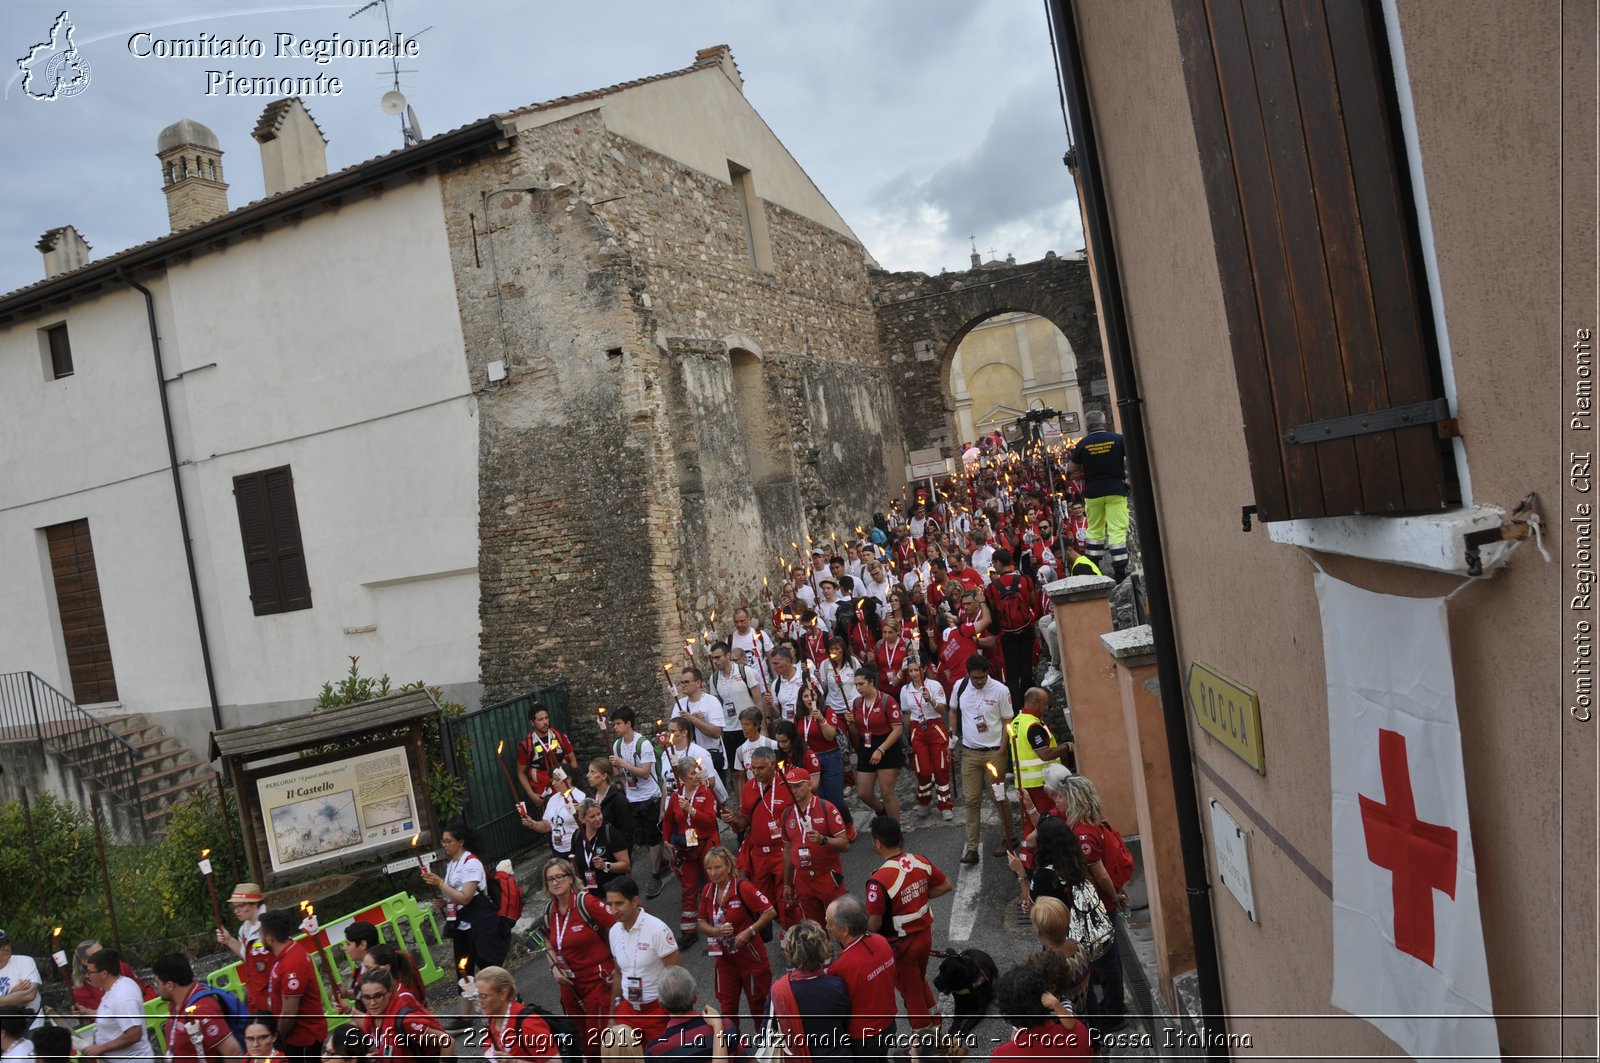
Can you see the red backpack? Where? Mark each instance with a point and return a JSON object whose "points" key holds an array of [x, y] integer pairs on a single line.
{"points": [[1114, 854], [1011, 604], [510, 895]]}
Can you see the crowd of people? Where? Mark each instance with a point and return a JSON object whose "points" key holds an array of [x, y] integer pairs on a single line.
{"points": [[913, 645]]}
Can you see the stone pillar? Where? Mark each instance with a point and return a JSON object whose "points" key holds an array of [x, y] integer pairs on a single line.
{"points": [[1133, 650], [1083, 614]]}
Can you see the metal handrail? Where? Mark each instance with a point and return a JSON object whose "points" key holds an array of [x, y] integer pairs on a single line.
{"points": [[33, 710]]}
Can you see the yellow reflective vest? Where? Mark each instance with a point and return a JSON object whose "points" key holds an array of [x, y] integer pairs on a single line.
{"points": [[1029, 764]]}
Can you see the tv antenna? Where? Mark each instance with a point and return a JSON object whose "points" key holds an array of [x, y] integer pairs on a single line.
{"points": [[394, 102]]}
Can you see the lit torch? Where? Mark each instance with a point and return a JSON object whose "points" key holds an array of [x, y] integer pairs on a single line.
{"points": [[600, 716], [522, 808], [211, 885], [59, 955]]}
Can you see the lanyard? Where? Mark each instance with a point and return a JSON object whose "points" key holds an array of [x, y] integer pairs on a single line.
{"points": [[561, 926]]}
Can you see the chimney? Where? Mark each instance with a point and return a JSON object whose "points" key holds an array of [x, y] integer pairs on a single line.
{"points": [[1011, 260], [64, 251], [721, 55], [191, 174], [293, 150]]}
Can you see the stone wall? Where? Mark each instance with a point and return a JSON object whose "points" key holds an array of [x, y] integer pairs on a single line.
{"points": [[921, 319], [646, 358]]}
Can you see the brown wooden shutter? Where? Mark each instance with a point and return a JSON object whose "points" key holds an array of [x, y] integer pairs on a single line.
{"points": [[83, 618], [1313, 225], [269, 527]]}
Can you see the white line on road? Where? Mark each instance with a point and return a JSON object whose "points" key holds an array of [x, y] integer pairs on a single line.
{"points": [[964, 909]]}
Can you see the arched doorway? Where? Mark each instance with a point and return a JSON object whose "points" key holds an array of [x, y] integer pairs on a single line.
{"points": [[1005, 365]]}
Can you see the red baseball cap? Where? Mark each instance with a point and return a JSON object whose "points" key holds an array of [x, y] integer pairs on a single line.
{"points": [[797, 775]]}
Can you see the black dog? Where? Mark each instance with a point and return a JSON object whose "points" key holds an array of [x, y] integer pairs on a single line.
{"points": [[968, 976]]}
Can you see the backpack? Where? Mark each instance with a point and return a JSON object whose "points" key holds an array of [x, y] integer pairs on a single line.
{"points": [[1012, 607], [562, 1031], [765, 932], [510, 906], [233, 1009], [583, 913], [1114, 854], [639, 742], [403, 1039]]}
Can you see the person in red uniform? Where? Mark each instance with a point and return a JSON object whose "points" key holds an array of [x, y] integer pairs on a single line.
{"points": [[732, 913], [576, 942], [293, 993], [922, 706], [880, 756], [794, 753], [689, 822], [255, 966], [899, 896], [763, 809], [813, 837], [542, 751], [866, 964], [198, 1029], [399, 1027], [1046, 1028], [894, 649], [513, 1030]]}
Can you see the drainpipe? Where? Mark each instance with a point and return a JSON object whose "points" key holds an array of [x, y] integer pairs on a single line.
{"points": [[1119, 352], [177, 489]]}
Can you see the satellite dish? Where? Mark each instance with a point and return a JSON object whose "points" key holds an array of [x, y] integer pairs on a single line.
{"points": [[393, 102], [411, 124]]}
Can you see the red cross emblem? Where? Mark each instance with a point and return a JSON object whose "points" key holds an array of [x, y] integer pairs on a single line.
{"points": [[1421, 856]]}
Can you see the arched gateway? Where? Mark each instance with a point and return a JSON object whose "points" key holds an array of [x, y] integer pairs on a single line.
{"points": [[921, 320]]}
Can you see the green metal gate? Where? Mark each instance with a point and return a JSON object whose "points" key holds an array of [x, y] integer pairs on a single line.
{"points": [[490, 806]]}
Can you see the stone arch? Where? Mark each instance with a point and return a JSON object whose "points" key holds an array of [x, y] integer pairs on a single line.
{"points": [[922, 319]]}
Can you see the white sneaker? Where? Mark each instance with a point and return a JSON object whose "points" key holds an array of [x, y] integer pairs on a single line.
{"points": [[949, 816], [923, 810], [1051, 677]]}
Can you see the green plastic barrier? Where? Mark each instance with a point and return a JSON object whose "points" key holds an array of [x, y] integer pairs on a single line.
{"points": [[402, 921]]}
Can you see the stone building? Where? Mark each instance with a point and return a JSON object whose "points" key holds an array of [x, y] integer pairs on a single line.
{"points": [[556, 386]]}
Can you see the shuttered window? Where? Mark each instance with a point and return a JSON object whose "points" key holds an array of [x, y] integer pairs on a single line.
{"points": [[269, 526], [1315, 235], [83, 618]]}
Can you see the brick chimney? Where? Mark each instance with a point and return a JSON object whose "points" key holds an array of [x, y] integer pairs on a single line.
{"points": [[64, 251], [293, 149], [191, 174], [722, 56]]}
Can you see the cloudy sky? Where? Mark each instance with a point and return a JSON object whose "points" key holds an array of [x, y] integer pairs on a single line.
{"points": [[923, 121]]}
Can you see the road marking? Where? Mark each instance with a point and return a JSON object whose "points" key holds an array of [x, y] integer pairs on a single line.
{"points": [[964, 908]]}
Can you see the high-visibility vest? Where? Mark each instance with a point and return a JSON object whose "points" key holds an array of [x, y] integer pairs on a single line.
{"points": [[1030, 765]]}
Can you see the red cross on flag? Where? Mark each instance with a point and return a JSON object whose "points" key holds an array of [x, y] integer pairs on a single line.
{"points": [[1407, 939]]}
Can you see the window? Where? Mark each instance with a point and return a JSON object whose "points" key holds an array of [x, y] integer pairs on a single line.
{"points": [[1311, 212], [755, 217], [83, 618], [58, 349], [269, 526]]}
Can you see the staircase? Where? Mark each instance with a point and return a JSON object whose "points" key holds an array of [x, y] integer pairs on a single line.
{"points": [[133, 766]]}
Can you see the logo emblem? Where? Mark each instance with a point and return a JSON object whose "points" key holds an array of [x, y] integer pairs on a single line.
{"points": [[55, 69]]}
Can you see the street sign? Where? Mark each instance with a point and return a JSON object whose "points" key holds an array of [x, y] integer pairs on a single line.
{"points": [[1229, 711], [1231, 847], [923, 469]]}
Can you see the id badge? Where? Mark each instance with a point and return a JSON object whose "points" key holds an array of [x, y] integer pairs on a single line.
{"points": [[691, 838], [777, 832], [588, 878], [632, 781], [450, 913], [634, 989], [713, 946], [803, 854], [983, 725]]}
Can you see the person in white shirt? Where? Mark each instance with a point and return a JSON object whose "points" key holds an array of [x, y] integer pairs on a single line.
{"points": [[922, 705], [737, 686], [119, 1031], [20, 983], [875, 584], [14, 1044], [750, 722], [785, 687], [983, 705], [643, 947], [635, 759], [829, 606], [560, 814], [983, 556], [703, 713], [679, 745]]}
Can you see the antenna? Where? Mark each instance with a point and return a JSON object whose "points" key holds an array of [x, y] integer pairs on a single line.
{"points": [[394, 102]]}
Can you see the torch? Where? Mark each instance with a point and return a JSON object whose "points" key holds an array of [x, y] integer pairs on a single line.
{"points": [[522, 806], [416, 839], [600, 717], [59, 955], [211, 885]]}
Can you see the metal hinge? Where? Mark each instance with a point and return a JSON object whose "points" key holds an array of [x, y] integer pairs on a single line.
{"points": [[1361, 424]]}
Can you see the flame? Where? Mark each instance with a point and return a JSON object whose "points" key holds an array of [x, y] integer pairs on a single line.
{"points": [[311, 909], [689, 640], [56, 932], [461, 964], [667, 667], [500, 748], [304, 905], [601, 710], [204, 853], [416, 839], [994, 772], [714, 612]]}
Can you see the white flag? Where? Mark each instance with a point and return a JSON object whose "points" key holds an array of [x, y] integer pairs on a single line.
{"points": [[1407, 940]]}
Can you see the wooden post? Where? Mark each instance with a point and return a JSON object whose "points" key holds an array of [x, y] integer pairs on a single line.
{"points": [[227, 827], [33, 848], [105, 872]]}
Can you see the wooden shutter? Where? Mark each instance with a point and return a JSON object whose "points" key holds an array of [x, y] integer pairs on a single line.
{"points": [[83, 618], [1315, 242], [269, 527]]}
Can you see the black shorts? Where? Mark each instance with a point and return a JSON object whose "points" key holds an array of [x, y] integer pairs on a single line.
{"points": [[646, 821], [893, 757]]}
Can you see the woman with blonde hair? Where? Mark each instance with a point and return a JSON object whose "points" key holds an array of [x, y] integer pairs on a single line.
{"points": [[621, 1043], [512, 1031], [733, 913], [1052, 923], [809, 1007]]}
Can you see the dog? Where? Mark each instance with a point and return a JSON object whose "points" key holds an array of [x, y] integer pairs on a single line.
{"points": [[968, 976]]}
